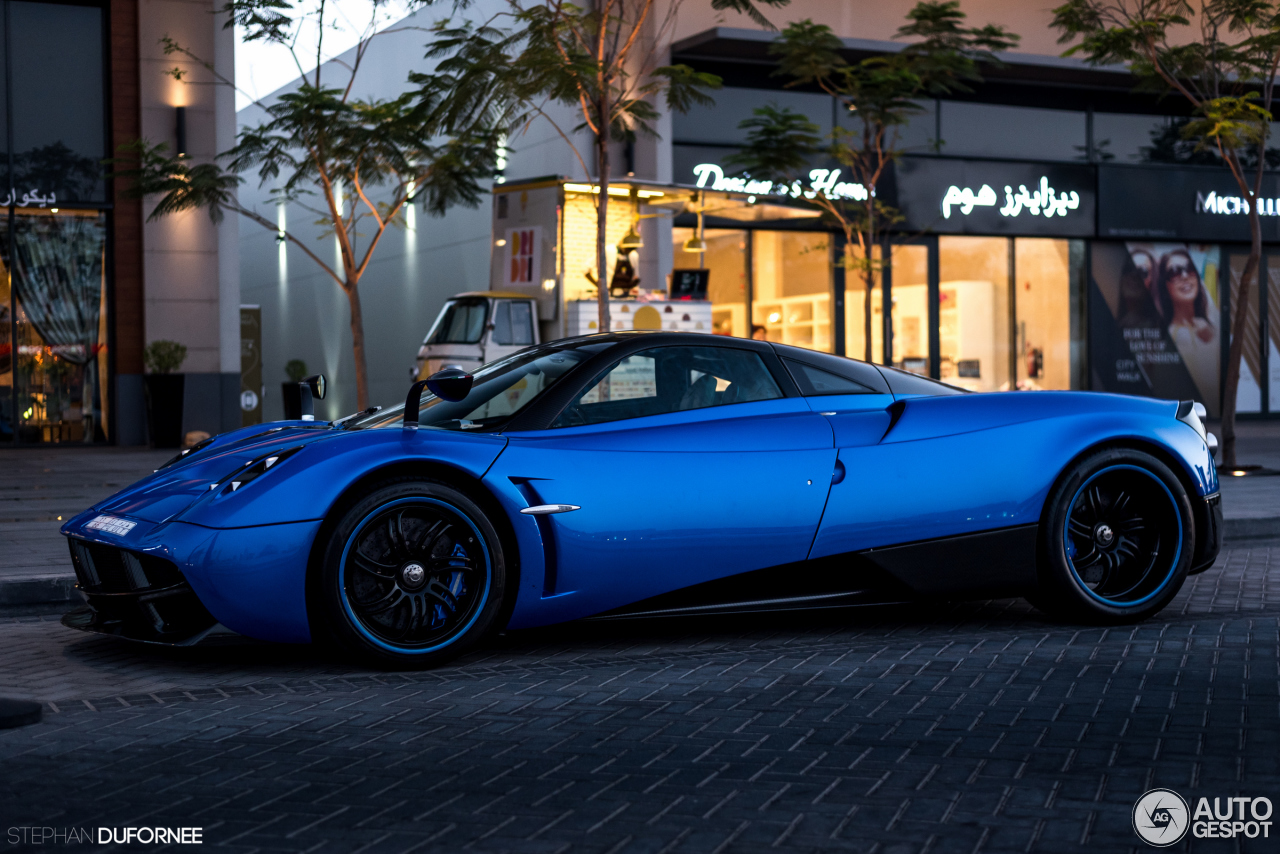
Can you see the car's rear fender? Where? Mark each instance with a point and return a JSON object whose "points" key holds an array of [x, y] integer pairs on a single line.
{"points": [[983, 480]]}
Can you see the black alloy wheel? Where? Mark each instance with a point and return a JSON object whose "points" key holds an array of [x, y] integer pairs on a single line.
{"points": [[413, 575], [1117, 539]]}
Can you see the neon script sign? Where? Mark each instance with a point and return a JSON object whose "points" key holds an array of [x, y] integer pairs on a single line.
{"points": [[824, 182], [1042, 201], [1229, 205]]}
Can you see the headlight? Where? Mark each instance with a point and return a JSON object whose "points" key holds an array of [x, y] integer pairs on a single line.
{"points": [[253, 470], [1192, 413]]}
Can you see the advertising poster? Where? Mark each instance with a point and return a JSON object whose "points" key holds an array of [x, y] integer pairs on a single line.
{"points": [[1154, 320], [524, 255]]}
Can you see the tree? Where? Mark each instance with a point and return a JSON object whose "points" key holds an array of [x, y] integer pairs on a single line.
{"points": [[1221, 57], [881, 93], [600, 61], [356, 164]]}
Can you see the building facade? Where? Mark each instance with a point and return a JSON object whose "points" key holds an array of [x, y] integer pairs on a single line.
{"points": [[1056, 234], [87, 282]]}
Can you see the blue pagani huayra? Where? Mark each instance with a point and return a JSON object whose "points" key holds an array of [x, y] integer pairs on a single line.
{"points": [[640, 474]]}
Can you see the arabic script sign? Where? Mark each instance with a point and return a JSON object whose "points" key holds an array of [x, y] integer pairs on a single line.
{"points": [[821, 181], [29, 199], [1042, 201]]}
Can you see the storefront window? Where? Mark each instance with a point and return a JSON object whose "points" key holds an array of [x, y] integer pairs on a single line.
{"points": [[992, 130], [792, 288], [973, 312], [910, 316], [1042, 304], [726, 259], [58, 104], [855, 307], [55, 290], [1249, 392]]}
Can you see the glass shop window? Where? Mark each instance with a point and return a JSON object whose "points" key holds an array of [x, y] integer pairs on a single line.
{"points": [[994, 130], [1042, 305], [726, 259], [54, 287], [910, 296], [58, 103], [718, 123], [672, 379], [792, 272], [973, 312]]}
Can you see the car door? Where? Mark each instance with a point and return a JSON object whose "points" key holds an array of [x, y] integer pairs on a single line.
{"points": [[688, 463], [510, 328]]}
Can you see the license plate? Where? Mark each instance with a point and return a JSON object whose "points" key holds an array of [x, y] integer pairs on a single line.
{"points": [[111, 525]]}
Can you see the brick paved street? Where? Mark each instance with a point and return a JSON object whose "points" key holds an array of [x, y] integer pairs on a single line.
{"points": [[943, 728]]}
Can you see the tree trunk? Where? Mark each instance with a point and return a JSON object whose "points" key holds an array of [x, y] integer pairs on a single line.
{"points": [[357, 346], [870, 279], [602, 219], [1239, 319]]}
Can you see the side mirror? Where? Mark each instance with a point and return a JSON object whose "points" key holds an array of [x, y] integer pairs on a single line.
{"points": [[451, 384], [310, 389]]}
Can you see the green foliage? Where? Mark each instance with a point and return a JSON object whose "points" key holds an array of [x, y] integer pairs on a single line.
{"points": [[164, 357], [295, 370], [181, 185], [880, 92], [779, 144]]}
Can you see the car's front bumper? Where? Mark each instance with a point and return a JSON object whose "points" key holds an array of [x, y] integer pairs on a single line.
{"points": [[1208, 513], [171, 583]]}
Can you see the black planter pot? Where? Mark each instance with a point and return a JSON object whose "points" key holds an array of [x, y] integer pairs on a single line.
{"points": [[291, 396], [164, 409]]}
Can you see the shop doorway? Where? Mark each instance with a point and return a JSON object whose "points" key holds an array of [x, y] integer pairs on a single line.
{"points": [[986, 313]]}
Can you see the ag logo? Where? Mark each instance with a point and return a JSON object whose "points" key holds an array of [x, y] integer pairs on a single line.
{"points": [[1160, 817]]}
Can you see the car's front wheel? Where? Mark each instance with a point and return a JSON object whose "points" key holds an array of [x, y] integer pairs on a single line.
{"points": [[1116, 539], [412, 576]]}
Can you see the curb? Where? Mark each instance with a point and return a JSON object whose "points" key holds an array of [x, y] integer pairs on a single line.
{"points": [[38, 590], [1250, 529]]}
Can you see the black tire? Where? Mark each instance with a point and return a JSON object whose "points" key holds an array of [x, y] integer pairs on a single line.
{"points": [[412, 576], [1116, 539]]}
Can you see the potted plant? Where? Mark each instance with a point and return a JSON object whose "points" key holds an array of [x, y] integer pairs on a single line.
{"points": [[164, 389], [295, 369]]}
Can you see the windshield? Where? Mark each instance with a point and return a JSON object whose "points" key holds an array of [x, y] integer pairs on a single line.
{"points": [[501, 389], [461, 323]]}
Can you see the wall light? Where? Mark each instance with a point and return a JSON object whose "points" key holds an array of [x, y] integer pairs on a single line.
{"points": [[501, 241], [181, 130]]}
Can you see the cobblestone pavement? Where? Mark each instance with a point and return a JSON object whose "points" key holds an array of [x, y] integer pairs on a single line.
{"points": [[969, 727]]}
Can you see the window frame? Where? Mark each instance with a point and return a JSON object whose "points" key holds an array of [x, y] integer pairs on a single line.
{"points": [[770, 371]]}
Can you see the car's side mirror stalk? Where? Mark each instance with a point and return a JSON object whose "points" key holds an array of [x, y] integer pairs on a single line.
{"points": [[451, 384], [311, 389]]}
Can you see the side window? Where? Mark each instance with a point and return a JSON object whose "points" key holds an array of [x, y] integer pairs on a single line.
{"points": [[672, 379], [815, 381], [522, 323], [502, 323]]}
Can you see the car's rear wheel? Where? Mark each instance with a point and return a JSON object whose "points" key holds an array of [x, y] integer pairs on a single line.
{"points": [[1116, 540], [413, 575]]}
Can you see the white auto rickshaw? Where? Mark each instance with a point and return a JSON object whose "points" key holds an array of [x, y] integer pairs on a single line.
{"points": [[476, 328]]}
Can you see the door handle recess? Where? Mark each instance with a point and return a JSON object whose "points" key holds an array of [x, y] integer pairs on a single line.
{"points": [[548, 509]]}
